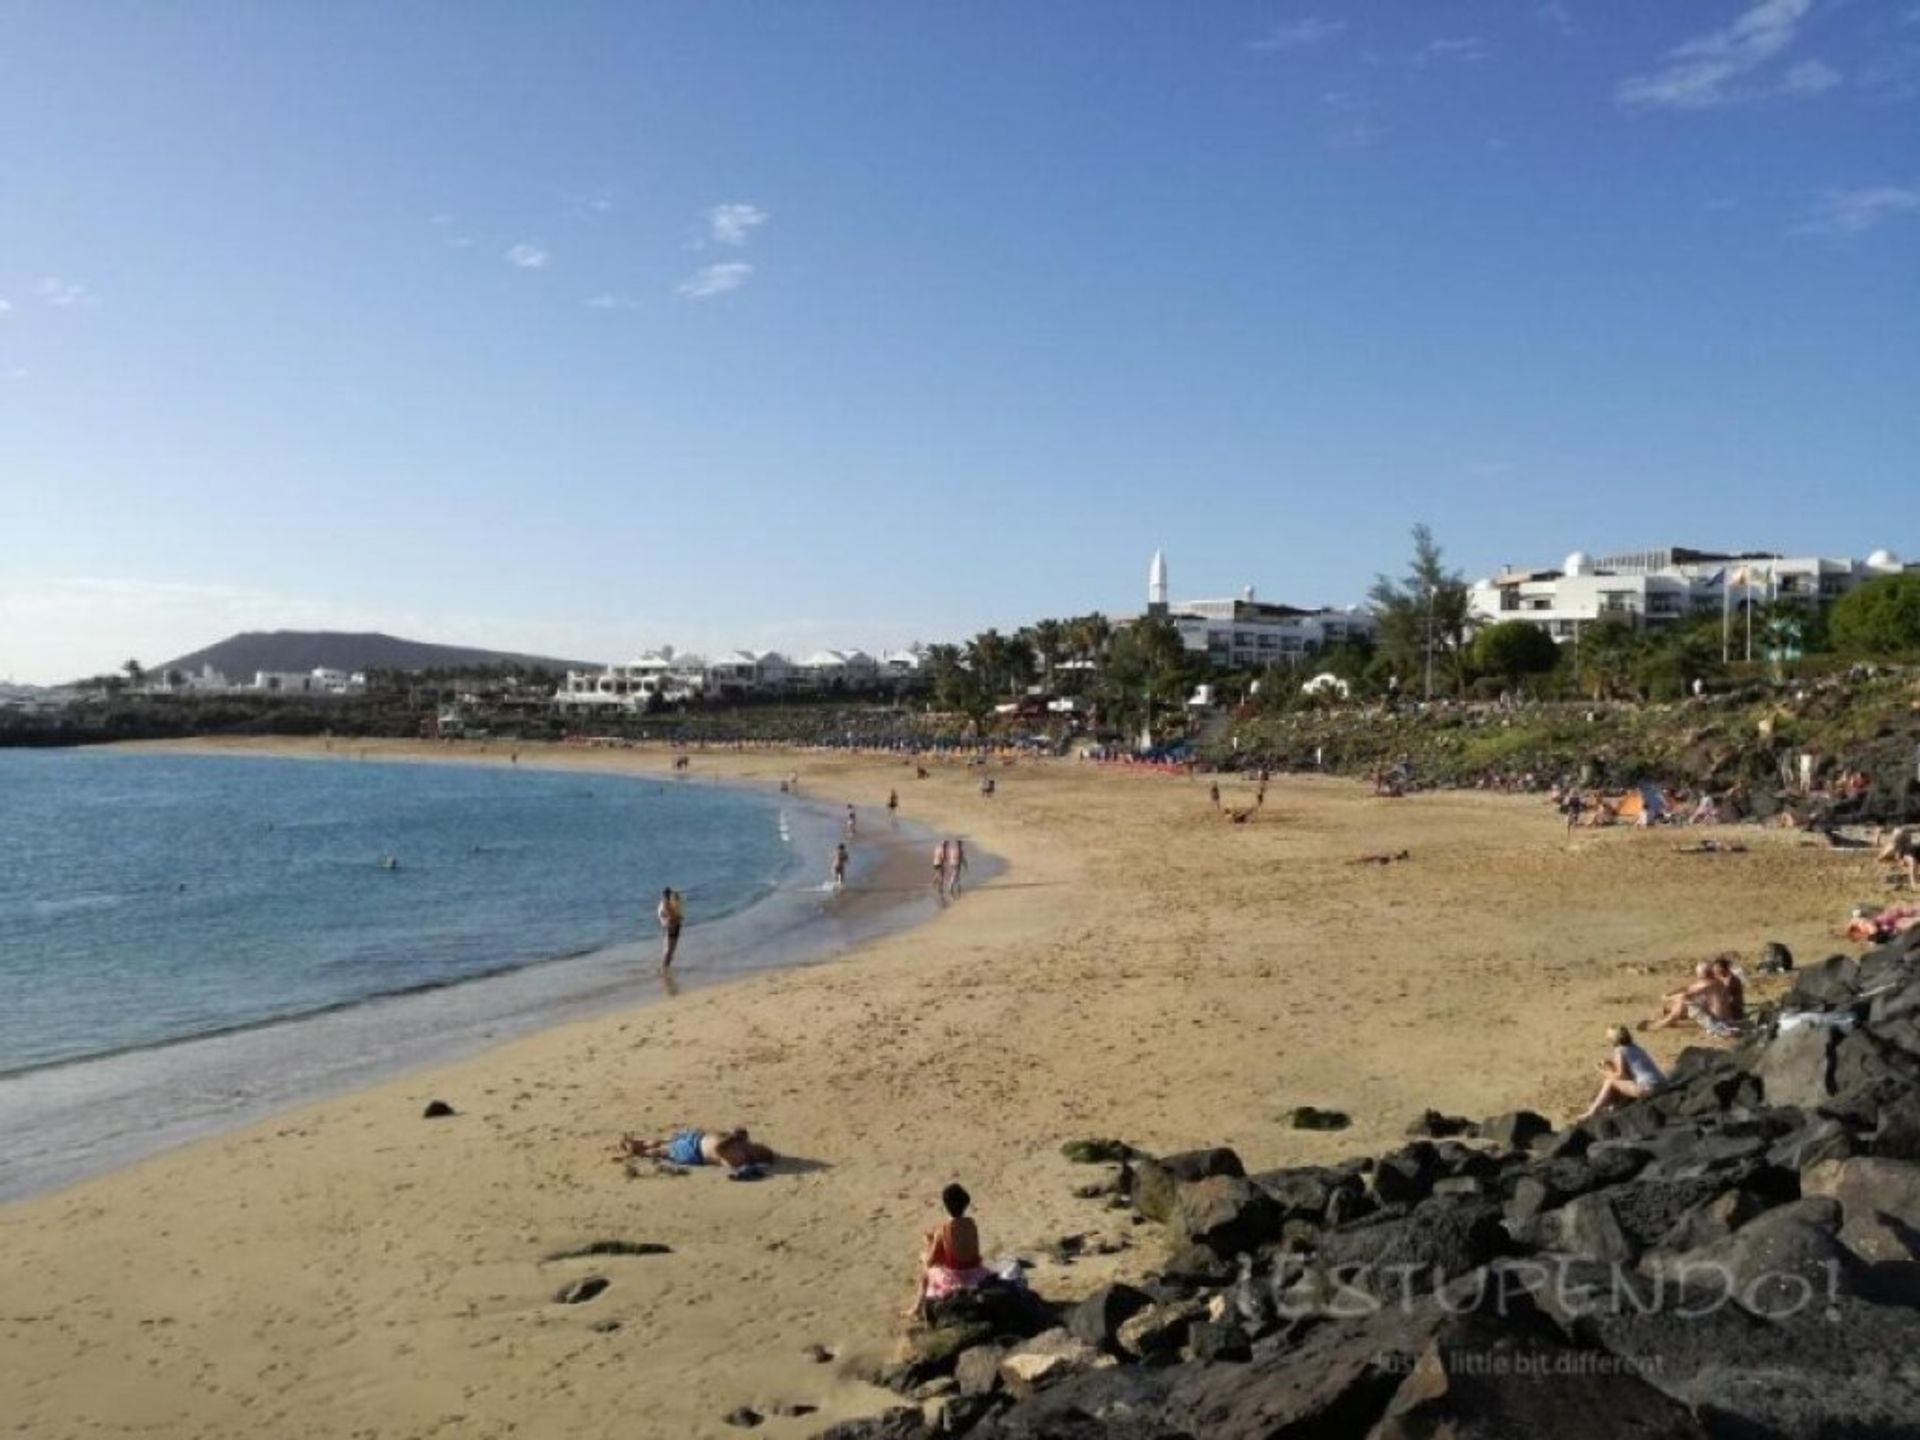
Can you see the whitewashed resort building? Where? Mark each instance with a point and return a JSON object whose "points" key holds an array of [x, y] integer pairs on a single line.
{"points": [[1248, 633], [675, 677], [1649, 589]]}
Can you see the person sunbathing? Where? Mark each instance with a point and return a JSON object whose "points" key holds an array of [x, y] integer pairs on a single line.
{"points": [[1705, 996], [1734, 986], [738, 1151], [950, 1254], [1628, 1073]]}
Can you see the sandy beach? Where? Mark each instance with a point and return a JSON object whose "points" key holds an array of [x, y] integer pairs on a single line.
{"points": [[1142, 969]]}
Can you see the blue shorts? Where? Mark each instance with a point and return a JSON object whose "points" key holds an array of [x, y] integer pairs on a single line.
{"points": [[684, 1148]]}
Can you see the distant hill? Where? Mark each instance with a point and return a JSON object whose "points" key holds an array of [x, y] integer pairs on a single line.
{"points": [[239, 656]]}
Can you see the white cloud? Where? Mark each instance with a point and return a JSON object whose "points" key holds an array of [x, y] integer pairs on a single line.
{"points": [[715, 280], [1809, 78], [734, 224], [17, 372], [56, 291], [1298, 34], [5, 305], [1853, 211], [1463, 49], [526, 256], [1556, 15], [1716, 68], [441, 219], [607, 300]]}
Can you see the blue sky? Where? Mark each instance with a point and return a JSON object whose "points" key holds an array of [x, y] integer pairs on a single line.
{"points": [[585, 328]]}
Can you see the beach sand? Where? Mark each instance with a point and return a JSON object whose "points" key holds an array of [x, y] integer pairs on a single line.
{"points": [[1143, 969]]}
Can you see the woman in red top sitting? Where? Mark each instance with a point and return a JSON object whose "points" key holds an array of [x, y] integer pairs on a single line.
{"points": [[950, 1259]]}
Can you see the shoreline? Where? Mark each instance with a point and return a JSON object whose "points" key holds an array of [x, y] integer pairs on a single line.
{"points": [[166, 1093], [1153, 972]]}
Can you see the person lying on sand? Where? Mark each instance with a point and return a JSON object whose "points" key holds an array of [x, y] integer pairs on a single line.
{"points": [[950, 1254], [735, 1149], [1381, 858], [1877, 927], [1628, 1073]]}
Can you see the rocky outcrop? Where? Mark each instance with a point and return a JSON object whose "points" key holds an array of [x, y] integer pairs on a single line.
{"points": [[1736, 1257]]}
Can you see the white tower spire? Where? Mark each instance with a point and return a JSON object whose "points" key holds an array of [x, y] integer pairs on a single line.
{"points": [[1157, 581]]}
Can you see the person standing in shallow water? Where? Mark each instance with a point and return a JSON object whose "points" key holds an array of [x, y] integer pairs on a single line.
{"points": [[672, 914], [839, 867]]}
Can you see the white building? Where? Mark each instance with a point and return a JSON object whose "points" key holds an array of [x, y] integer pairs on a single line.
{"points": [[629, 687], [318, 681], [733, 675], [837, 670], [1251, 634], [1649, 589]]}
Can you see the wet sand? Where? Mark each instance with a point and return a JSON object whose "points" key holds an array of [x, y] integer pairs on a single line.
{"points": [[1143, 969]]}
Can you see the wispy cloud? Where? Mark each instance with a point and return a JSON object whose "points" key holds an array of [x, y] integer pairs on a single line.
{"points": [[441, 219], [5, 305], [527, 256], [608, 300], [1298, 34], [1809, 78], [65, 293], [1892, 74], [1353, 126], [734, 223], [1726, 66], [1461, 49], [1854, 211], [1556, 15], [17, 372], [715, 280], [593, 202]]}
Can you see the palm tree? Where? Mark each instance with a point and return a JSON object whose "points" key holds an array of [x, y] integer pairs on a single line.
{"points": [[987, 657], [1090, 635], [135, 672], [1049, 643]]}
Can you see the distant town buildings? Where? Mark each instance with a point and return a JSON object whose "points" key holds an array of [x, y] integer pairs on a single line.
{"points": [[209, 681], [1247, 633], [735, 674], [1650, 589]]}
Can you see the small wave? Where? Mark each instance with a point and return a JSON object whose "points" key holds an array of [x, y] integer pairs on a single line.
{"points": [[62, 905]]}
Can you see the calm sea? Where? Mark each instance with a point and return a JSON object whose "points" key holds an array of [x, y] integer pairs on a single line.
{"points": [[191, 942], [146, 899]]}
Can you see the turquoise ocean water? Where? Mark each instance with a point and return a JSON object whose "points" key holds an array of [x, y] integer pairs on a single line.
{"points": [[148, 898], [187, 942]]}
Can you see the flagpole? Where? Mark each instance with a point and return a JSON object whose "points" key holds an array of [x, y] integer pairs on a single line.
{"points": [[1727, 617], [1749, 610]]}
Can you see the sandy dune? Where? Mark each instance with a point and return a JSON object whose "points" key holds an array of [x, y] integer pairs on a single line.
{"points": [[1144, 969]]}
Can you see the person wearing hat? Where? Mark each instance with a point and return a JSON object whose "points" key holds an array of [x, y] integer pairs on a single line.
{"points": [[1628, 1073]]}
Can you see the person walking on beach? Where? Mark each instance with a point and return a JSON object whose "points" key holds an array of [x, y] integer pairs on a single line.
{"points": [[839, 867], [940, 862], [893, 806], [956, 866], [1213, 794], [852, 824], [671, 913]]}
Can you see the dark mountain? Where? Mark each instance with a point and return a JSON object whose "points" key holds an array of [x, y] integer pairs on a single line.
{"points": [[239, 656]]}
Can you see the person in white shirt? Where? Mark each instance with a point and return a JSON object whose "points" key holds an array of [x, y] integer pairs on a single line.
{"points": [[1628, 1073]]}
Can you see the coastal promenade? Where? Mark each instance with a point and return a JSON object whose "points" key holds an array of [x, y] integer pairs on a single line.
{"points": [[1142, 969]]}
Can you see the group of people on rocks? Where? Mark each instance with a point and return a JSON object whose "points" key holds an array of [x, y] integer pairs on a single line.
{"points": [[1715, 999]]}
